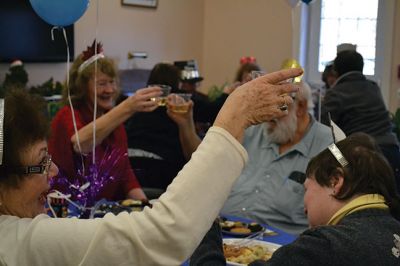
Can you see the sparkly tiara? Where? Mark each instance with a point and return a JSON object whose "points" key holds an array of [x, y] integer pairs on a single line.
{"points": [[338, 155], [91, 54], [1, 130]]}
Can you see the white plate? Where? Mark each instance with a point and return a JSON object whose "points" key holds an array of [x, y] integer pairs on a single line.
{"points": [[271, 246]]}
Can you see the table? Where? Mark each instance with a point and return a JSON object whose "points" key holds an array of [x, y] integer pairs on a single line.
{"points": [[281, 237]]}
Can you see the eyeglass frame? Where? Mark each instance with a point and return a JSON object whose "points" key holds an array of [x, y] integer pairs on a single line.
{"points": [[43, 168]]}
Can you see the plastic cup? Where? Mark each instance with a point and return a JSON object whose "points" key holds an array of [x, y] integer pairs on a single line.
{"points": [[255, 74], [179, 102], [162, 99]]}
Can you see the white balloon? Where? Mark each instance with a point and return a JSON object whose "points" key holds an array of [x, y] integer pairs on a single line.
{"points": [[293, 3]]}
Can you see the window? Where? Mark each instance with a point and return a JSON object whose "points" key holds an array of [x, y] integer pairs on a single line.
{"points": [[366, 23], [343, 21]]}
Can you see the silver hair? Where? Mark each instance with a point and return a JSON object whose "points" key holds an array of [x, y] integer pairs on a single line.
{"points": [[304, 94]]}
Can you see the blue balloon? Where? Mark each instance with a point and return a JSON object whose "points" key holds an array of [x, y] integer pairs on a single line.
{"points": [[60, 12]]}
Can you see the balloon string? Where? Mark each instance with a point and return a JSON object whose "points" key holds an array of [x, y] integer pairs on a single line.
{"points": [[69, 95], [95, 88]]}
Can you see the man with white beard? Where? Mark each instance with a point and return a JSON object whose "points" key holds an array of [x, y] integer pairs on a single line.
{"points": [[270, 189]]}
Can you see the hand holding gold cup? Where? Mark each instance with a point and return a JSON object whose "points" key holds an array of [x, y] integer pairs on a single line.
{"points": [[180, 110], [179, 102]]}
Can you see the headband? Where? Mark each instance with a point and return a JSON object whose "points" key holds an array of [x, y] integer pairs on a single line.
{"points": [[92, 59], [338, 155], [1, 130]]}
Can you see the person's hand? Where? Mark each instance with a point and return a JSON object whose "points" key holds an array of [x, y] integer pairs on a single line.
{"points": [[257, 101], [141, 100], [181, 119]]}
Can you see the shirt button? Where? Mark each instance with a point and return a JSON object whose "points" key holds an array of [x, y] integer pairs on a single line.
{"points": [[244, 209], [268, 176], [256, 191]]}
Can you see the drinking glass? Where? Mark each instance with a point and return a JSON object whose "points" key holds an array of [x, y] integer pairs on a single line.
{"points": [[162, 99], [255, 74], [179, 102]]}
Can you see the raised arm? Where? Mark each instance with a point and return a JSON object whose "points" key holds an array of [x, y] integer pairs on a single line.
{"points": [[105, 124], [187, 132]]}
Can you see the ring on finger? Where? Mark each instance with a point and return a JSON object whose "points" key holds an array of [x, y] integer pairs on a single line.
{"points": [[284, 106]]}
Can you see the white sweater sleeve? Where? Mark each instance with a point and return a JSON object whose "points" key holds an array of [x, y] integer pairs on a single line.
{"points": [[167, 234]]}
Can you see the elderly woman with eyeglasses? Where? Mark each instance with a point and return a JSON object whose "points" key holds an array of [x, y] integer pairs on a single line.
{"points": [[165, 234]]}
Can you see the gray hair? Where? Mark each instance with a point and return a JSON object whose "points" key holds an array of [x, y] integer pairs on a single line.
{"points": [[304, 94]]}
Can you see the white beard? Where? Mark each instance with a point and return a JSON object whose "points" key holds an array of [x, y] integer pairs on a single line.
{"points": [[284, 130]]}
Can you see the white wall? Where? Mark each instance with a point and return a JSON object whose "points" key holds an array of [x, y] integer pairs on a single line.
{"points": [[236, 28], [216, 33], [173, 31]]}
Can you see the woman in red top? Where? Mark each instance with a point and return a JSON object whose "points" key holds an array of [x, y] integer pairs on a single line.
{"points": [[115, 179]]}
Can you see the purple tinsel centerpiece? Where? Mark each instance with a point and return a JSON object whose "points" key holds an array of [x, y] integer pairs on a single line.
{"points": [[85, 187]]}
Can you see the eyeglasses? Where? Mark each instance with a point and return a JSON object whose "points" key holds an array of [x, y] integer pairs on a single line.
{"points": [[43, 168]]}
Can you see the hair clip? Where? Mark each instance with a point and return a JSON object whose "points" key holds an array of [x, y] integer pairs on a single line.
{"points": [[338, 155], [331, 126]]}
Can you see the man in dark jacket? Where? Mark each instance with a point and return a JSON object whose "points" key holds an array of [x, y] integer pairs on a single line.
{"points": [[355, 104]]}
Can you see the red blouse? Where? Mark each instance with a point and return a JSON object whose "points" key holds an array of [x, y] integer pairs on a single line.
{"points": [[111, 155]]}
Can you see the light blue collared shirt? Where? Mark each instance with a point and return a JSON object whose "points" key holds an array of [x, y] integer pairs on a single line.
{"points": [[264, 192]]}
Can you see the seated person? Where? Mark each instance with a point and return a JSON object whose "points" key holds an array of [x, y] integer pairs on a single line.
{"points": [[356, 104], [204, 110], [352, 207], [243, 74], [329, 76], [154, 143], [161, 235], [270, 189], [110, 176]]}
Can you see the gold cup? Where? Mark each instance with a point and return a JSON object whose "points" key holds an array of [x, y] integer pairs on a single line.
{"points": [[179, 102]]}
